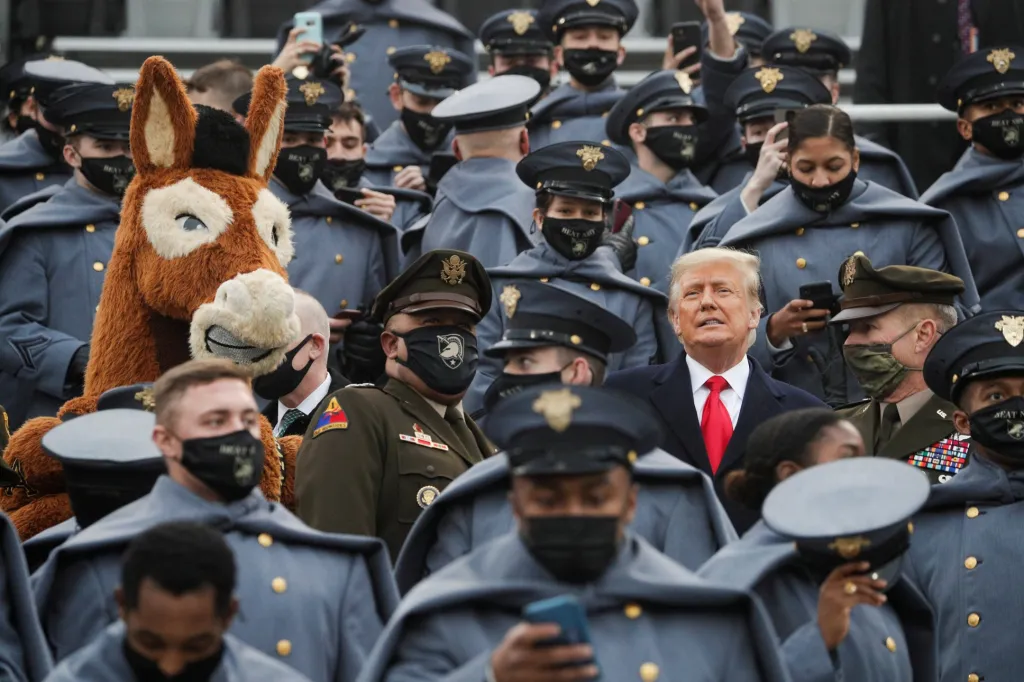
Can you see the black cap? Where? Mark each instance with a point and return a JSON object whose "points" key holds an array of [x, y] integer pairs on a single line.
{"points": [[986, 74], [431, 71], [565, 430], [749, 30], [494, 104], [586, 170], [658, 91], [543, 315], [95, 109], [310, 103], [555, 16], [48, 75], [760, 91], [868, 292], [989, 344], [13, 79], [444, 278], [855, 509], [132, 397], [812, 49], [514, 31]]}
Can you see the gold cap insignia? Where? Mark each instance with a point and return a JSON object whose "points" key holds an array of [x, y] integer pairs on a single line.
{"points": [[426, 495], [849, 271], [593, 3], [769, 78], [849, 548], [803, 38], [557, 408], [590, 156], [147, 398], [734, 20], [685, 82], [1001, 59], [437, 60], [312, 91], [1012, 327], [125, 97], [509, 298], [22, 484], [453, 270], [521, 22]]}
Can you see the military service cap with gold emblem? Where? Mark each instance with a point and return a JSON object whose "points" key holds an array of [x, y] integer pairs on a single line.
{"points": [[586, 170], [514, 31], [555, 16], [100, 110], [46, 76], [760, 91], [868, 292], [987, 74], [311, 102], [563, 430], [444, 278], [812, 49], [431, 71], [986, 345], [856, 509], [749, 30], [658, 91]]}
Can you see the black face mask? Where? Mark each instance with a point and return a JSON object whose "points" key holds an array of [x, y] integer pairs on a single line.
{"points": [[285, 378], [752, 153], [1002, 134], [1000, 428], [52, 143], [574, 549], [444, 357], [676, 146], [507, 385], [426, 132], [230, 465], [110, 176], [824, 199], [591, 66], [298, 168], [343, 173], [542, 76], [146, 670], [574, 238]]}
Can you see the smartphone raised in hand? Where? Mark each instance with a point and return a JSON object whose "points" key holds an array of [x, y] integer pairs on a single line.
{"points": [[687, 34]]}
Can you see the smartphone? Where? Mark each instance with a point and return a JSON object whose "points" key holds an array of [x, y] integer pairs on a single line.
{"points": [[565, 612], [312, 25], [349, 195], [784, 116], [348, 314], [687, 34], [820, 293], [620, 214]]}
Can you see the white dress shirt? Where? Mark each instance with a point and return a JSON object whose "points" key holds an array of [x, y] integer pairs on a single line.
{"points": [[307, 406], [732, 397]]}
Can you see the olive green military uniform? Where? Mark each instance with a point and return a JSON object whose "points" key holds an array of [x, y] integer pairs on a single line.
{"points": [[927, 438], [374, 457]]}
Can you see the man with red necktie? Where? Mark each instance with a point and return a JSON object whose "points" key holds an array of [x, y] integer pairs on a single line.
{"points": [[712, 396]]}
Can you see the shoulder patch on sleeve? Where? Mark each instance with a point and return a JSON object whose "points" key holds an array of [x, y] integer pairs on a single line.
{"points": [[332, 418]]}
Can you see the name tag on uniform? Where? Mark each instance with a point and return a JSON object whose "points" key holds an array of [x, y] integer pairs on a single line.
{"points": [[420, 438], [948, 455]]}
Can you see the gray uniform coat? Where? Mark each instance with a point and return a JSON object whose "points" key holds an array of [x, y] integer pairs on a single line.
{"points": [[24, 656], [713, 221], [321, 618], [677, 513], [30, 200], [39, 546], [894, 642], [985, 195], [394, 150], [646, 613], [53, 260], [568, 115], [25, 167], [410, 204]]}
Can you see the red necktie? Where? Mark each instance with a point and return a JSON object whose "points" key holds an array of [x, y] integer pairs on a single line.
{"points": [[715, 422]]}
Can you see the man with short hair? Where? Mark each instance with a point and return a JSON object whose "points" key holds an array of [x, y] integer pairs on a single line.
{"points": [[218, 84], [207, 429], [176, 601], [710, 398], [518, 45], [896, 314]]}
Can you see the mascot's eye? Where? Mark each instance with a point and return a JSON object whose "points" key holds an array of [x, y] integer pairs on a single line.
{"points": [[273, 235], [190, 223]]}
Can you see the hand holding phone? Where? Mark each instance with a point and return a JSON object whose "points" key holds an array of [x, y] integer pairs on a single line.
{"points": [[687, 34], [312, 31], [555, 636], [820, 294]]}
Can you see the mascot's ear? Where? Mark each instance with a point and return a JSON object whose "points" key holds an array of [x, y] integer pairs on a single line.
{"points": [[163, 119], [265, 121]]}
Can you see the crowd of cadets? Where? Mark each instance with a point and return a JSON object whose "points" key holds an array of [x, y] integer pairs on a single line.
{"points": [[472, 262]]}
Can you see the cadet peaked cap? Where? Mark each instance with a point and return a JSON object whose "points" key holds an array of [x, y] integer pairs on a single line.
{"points": [[658, 91], [431, 71], [986, 74], [310, 103], [586, 170], [47, 75], [813, 49], [13, 79], [555, 16], [855, 509], [540, 314], [760, 91], [95, 109], [986, 345], [565, 430], [749, 30], [514, 31], [494, 104], [444, 278], [868, 292]]}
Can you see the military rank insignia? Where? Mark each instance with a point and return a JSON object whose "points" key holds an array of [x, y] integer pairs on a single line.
{"points": [[418, 437], [949, 455], [333, 418]]}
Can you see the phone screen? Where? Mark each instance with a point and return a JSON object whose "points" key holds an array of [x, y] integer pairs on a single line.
{"points": [[687, 34]]}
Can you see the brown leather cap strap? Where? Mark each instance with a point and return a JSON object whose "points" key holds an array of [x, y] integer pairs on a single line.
{"points": [[398, 304]]}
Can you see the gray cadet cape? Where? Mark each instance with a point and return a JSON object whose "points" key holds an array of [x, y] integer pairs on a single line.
{"points": [[394, 149], [26, 168], [410, 204], [646, 610], [52, 267], [596, 278], [662, 215], [569, 114], [768, 564], [966, 556], [338, 590], [985, 195], [103, 660], [714, 220], [39, 546], [24, 656], [677, 513], [30, 200], [799, 246]]}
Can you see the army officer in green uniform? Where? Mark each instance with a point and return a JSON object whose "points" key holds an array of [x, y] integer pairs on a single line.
{"points": [[895, 315], [375, 456]]}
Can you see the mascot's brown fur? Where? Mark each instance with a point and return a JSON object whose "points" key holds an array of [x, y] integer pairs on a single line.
{"points": [[198, 269]]}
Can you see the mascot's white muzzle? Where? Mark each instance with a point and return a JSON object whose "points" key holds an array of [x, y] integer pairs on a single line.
{"points": [[251, 321]]}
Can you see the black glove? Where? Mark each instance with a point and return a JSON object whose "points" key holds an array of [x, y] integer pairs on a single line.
{"points": [[623, 245], [74, 381], [362, 357]]}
